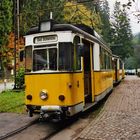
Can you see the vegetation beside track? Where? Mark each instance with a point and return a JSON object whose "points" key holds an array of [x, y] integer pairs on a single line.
{"points": [[11, 101]]}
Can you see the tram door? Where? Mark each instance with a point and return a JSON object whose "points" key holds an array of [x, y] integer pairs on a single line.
{"points": [[87, 72]]}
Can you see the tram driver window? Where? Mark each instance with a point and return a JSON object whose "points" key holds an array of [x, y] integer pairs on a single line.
{"points": [[28, 58]]}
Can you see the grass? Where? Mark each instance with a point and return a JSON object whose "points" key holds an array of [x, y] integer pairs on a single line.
{"points": [[11, 101]]}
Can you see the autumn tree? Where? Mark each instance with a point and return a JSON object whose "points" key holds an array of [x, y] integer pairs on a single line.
{"points": [[80, 14], [6, 18]]}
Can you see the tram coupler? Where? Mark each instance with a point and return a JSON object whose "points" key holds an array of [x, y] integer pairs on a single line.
{"points": [[30, 110]]}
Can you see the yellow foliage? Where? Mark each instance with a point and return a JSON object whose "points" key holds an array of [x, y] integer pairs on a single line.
{"points": [[80, 14]]}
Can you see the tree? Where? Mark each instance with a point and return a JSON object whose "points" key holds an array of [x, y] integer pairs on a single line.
{"points": [[104, 12], [134, 61], [121, 33], [135, 4], [137, 55], [6, 20], [33, 11], [130, 63], [81, 14]]}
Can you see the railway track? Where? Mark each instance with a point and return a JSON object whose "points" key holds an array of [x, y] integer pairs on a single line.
{"points": [[38, 130], [45, 130], [12, 133]]}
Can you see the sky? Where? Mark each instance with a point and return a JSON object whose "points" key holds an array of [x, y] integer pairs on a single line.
{"points": [[135, 26]]}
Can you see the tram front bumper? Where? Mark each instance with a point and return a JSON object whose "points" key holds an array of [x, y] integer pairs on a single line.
{"points": [[50, 108]]}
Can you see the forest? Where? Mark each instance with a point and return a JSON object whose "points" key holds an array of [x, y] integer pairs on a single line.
{"points": [[114, 28]]}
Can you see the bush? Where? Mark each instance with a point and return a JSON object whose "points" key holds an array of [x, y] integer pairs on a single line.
{"points": [[20, 78], [11, 101]]}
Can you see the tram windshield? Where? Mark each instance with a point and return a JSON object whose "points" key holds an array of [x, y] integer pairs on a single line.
{"points": [[64, 57], [45, 59], [28, 58]]}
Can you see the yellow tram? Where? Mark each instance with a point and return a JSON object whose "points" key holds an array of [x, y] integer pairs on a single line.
{"points": [[68, 69], [118, 69]]}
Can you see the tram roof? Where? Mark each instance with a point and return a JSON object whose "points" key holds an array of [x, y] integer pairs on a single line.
{"points": [[78, 28]]}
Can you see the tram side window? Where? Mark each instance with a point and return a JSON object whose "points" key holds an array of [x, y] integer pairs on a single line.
{"points": [[102, 58], [28, 58], [120, 64], [77, 57], [105, 59], [110, 62], [65, 56]]}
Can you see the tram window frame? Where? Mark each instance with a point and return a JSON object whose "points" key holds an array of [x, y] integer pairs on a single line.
{"points": [[65, 56], [29, 53]]}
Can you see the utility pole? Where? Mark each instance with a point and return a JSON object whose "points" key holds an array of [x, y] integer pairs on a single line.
{"points": [[18, 20], [16, 34], [14, 3]]}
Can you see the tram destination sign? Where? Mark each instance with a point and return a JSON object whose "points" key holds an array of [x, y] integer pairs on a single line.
{"points": [[45, 39]]}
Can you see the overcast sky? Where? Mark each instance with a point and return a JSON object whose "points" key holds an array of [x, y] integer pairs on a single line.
{"points": [[134, 25]]}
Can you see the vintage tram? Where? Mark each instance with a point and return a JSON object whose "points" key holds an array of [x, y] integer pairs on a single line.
{"points": [[68, 69], [118, 69]]}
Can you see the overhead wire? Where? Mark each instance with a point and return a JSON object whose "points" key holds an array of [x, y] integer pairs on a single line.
{"points": [[55, 8]]}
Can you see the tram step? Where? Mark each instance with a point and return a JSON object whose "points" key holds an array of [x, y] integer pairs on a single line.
{"points": [[88, 105]]}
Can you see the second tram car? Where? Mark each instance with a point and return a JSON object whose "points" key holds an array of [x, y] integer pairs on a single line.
{"points": [[68, 69], [118, 69]]}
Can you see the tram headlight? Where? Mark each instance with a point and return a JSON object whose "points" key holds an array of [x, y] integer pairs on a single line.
{"points": [[44, 94]]}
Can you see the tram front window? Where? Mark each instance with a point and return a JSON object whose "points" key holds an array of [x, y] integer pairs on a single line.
{"points": [[45, 59], [65, 56]]}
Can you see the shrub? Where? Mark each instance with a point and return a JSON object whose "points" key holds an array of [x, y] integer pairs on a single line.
{"points": [[20, 78]]}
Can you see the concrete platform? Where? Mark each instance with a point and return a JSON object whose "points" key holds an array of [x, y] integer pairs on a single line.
{"points": [[120, 117]]}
